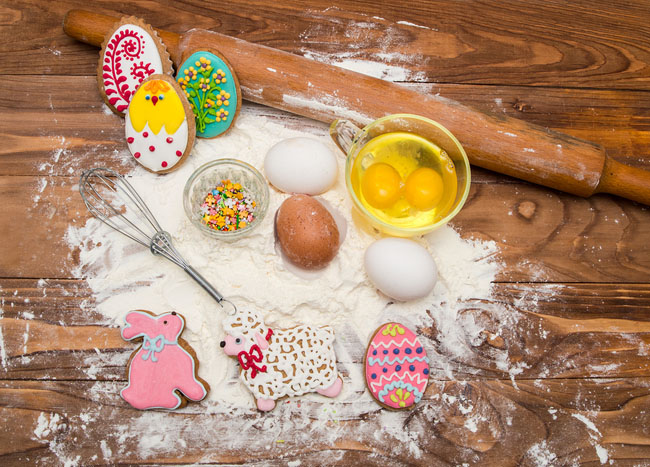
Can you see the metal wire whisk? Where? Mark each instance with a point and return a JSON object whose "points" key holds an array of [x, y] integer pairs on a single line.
{"points": [[112, 200]]}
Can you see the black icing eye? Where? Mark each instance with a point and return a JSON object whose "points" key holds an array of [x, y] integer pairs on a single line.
{"points": [[238, 341], [161, 97], [147, 97], [173, 313], [165, 322]]}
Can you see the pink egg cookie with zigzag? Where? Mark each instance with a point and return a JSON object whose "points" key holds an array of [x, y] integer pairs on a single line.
{"points": [[397, 367]]}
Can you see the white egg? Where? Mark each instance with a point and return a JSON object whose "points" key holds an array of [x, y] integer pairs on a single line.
{"points": [[401, 268], [301, 165]]}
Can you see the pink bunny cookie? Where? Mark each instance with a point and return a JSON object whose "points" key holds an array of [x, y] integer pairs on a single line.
{"points": [[161, 372]]}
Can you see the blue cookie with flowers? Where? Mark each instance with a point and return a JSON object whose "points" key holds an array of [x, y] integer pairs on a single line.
{"points": [[212, 89]]}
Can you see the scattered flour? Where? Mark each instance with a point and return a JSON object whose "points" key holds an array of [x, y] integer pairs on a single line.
{"points": [[382, 68], [47, 425], [541, 455], [588, 423], [124, 276], [603, 454], [3, 350], [413, 25]]}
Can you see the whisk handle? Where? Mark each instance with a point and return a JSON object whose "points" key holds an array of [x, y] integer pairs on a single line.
{"points": [[204, 283]]}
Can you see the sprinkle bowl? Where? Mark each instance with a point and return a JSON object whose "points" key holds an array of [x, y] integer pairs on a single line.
{"points": [[206, 178]]}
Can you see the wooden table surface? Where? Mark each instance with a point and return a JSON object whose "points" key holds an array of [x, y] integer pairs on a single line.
{"points": [[575, 271]]}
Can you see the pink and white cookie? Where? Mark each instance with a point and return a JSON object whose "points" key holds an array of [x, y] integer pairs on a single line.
{"points": [[275, 363], [162, 371], [396, 367], [131, 52], [159, 125]]}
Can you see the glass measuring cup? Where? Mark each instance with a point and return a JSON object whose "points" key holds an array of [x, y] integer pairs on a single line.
{"points": [[352, 141]]}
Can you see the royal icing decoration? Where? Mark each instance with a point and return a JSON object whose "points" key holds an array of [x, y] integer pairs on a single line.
{"points": [[128, 58], [212, 91], [162, 367], [286, 362], [397, 367], [157, 126]]}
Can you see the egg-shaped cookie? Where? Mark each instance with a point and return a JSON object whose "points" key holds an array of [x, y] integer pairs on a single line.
{"points": [[130, 54], [159, 125], [396, 367], [212, 88]]}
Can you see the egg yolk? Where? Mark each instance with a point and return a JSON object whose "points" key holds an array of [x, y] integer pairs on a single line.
{"points": [[381, 185], [424, 188]]}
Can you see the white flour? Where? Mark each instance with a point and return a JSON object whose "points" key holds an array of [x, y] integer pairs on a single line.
{"points": [[124, 276]]}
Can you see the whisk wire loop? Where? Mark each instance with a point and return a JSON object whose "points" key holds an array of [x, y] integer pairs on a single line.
{"points": [[111, 198]]}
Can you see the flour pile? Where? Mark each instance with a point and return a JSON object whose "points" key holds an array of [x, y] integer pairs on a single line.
{"points": [[124, 276]]}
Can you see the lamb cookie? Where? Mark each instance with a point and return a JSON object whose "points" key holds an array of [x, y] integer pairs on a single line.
{"points": [[131, 52], [281, 362], [211, 86], [162, 371], [159, 125], [397, 367]]}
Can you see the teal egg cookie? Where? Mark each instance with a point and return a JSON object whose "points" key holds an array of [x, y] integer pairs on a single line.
{"points": [[212, 89]]}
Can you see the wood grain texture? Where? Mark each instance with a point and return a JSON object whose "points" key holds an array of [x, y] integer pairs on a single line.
{"points": [[591, 44], [512, 426], [551, 371]]}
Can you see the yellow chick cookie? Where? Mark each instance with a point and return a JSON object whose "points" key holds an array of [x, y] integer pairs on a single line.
{"points": [[157, 128]]}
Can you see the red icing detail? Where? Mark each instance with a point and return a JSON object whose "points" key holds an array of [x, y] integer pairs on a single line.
{"points": [[152, 148], [269, 334], [128, 45], [145, 134], [129, 139], [136, 155], [179, 154], [247, 360], [170, 140], [164, 164]]}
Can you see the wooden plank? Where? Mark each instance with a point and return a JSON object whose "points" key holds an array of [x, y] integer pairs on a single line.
{"points": [[544, 331], [51, 131], [591, 44], [489, 422], [542, 235], [619, 121]]}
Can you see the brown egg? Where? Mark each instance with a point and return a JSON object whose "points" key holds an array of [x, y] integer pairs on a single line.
{"points": [[306, 232]]}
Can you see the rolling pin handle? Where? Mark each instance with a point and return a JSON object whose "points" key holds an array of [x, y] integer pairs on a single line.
{"points": [[625, 181], [345, 134]]}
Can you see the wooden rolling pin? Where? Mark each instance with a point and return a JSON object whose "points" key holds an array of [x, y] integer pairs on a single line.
{"points": [[325, 92]]}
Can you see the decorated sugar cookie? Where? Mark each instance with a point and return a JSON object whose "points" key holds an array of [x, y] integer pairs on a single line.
{"points": [[212, 89], [159, 124], [281, 362], [161, 372], [397, 367], [131, 53]]}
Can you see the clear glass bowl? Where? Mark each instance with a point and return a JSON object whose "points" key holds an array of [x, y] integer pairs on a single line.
{"points": [[206, 177], [352, 139]]}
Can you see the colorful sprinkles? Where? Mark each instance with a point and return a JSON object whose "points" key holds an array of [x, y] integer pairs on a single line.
{"points": [[227, 207]]}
